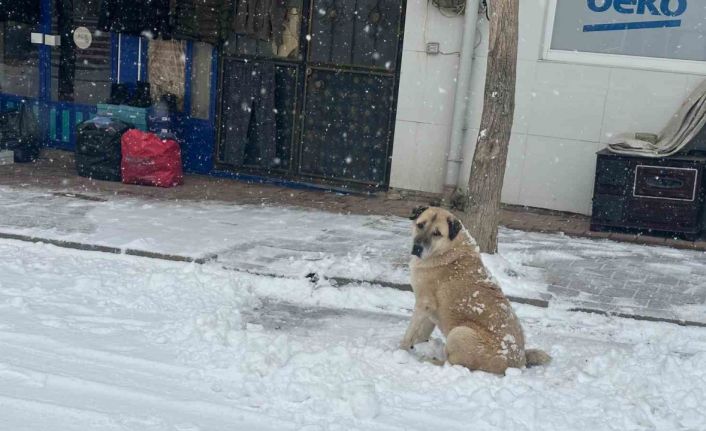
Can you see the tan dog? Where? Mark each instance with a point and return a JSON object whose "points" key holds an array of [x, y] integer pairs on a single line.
{"points": [[454, 291]]}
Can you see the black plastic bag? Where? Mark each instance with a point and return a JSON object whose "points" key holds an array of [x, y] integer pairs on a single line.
{"points": [[98, 150]]}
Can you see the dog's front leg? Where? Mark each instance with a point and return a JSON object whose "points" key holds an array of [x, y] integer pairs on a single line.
{"points": [[420, 327], [424, 332]]}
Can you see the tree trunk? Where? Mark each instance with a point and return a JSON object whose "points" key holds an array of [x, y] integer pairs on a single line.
{"points": [[482, 213]]}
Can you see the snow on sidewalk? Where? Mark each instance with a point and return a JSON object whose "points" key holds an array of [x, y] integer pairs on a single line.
{"points": [[271, 239], [98, 341], [603, 275]]}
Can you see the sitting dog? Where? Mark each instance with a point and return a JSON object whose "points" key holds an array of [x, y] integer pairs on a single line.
{"points": [[454, 290]]}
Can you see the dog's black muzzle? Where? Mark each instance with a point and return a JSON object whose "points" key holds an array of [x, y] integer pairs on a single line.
{"points": [[417, 250]]}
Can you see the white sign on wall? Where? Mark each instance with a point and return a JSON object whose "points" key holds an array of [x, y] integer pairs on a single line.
{"points": [[663, 29], [83, 37]]}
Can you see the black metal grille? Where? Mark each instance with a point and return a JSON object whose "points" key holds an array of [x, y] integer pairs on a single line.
{"points": [[347, 70]]}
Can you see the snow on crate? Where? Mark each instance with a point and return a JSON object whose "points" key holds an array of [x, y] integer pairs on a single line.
{"points": [[94, 341]]}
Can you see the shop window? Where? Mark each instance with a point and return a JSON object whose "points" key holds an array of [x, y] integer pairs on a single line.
{"points": [[658, 34], [167, 64], [16, 45], [19, 60], [201, 80]]}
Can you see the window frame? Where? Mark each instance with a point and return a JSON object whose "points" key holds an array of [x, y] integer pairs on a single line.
{"points": [[612, 60]]}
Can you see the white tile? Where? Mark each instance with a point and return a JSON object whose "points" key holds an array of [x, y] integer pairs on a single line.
{"points": [[558, 174], [531, 29], [440, 89], [553, 74], [568, 101], [419, 156], [415, 21], [404, 155], [413, 82], [513, 167], [427, 88], [693, 81], [641, 101], [432, 146], [513, 170], [523, 94], [525, 80], [448, 31]]}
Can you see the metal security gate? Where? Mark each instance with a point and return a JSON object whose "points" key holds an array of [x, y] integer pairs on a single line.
{"points": [[320, 105]]}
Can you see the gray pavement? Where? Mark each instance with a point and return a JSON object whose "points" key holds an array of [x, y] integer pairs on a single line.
{"points": [[616, 277], [600, 275]]}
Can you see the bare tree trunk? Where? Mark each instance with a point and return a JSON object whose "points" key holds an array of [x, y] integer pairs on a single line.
{"points": [[485, 184]]}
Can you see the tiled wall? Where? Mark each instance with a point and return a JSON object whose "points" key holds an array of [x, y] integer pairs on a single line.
{"points": [[426, 98], [564, 113]]}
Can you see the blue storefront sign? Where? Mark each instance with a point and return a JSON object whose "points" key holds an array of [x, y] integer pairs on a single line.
{"points": [[672, 29], [657, 9]]}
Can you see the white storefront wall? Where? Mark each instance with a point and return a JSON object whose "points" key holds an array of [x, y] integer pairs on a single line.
{"points": [[566, 110]]}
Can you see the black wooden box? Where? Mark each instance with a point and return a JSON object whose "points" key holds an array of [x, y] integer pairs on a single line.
{"points": [[655, 195]]}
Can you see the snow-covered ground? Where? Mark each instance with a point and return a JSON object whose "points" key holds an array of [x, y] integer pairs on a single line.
{"points": [[110, 342], [258, 237], [263, 239], [604, 275]]}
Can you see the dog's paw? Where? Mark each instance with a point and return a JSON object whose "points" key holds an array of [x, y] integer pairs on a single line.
{"points": [[405, 345], [434, 361]]}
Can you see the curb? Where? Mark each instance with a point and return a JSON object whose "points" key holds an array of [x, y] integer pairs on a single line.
{"points": [[623, 238], [342, 281], [106, 249], [541, 303], [686, 323]]}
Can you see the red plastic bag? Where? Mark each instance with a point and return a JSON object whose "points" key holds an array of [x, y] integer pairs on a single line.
{"points": [[149, 160]]}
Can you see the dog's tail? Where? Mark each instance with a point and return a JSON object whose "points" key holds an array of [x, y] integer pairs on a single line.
{"points": [[537, 357]]}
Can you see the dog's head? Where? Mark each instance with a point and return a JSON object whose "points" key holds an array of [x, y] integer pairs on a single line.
{"points": [[434, 231]]}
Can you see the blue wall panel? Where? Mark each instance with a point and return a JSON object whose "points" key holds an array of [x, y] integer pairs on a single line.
{"points": [[197, 138]]}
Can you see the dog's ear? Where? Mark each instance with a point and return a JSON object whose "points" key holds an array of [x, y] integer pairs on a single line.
{"points": [[417, 212], [454, 227]]}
